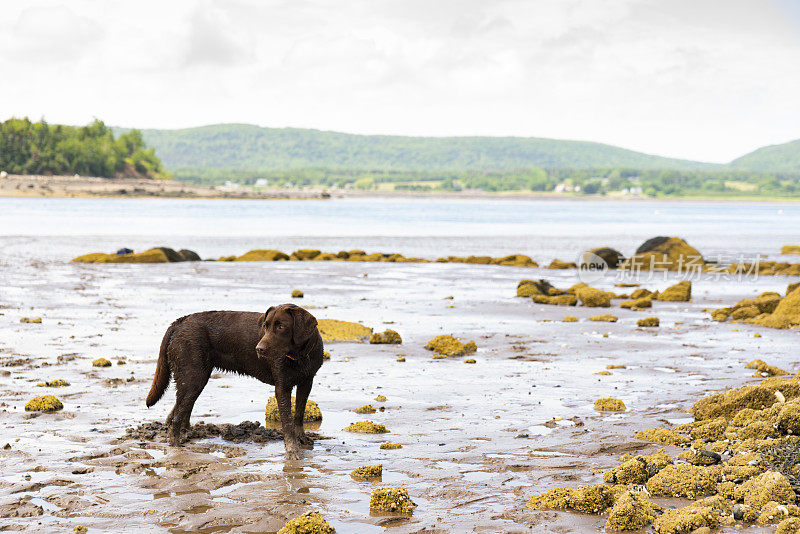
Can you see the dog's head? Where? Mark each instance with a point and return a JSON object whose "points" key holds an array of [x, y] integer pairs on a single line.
{"points": [[286, 330]]}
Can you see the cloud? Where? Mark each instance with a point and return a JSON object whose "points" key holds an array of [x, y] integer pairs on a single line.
{"points": [[705, 80]]}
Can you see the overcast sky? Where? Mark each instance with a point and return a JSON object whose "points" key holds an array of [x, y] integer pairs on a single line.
{"points": [[697, 79]]}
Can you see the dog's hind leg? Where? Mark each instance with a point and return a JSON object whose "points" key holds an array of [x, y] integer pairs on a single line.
{"points": [[190, 380]]}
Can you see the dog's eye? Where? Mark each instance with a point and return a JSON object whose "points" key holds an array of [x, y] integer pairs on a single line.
{"points": [[279, 326]]}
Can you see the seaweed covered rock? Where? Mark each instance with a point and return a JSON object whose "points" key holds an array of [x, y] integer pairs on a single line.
{"points": [[263, 255], [57, 383], [764, 369], [609, 405], [559, 264], [637, 304], [703, 513], [367, 472], [89, 258], [630, 512], [305, 254], [101, 362], [335, 330], [786, 314], [790, 525], [664, 253], [366, 409], [766, 487], [685, 480], [569, 319], [388, 337], [312, 413], [308, 523], [557, 300], [447, 345], [31, 320], [44, 403], [297, 294], [528, 288], [516, 260], [594, 298], [648, 322], [605, 318], [189, 255], [395, 500], [470, 360], [729, 403], [663, 436], [637, 470], [390, 446], [594, 499], [366, 427], [610, 256], [765, 303], [154, 255], [790, 249], [680, 292]]}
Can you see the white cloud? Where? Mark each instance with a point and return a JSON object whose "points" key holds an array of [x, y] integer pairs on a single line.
{"points": [[702, 79]]}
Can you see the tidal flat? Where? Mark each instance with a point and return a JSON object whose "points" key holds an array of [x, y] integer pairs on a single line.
{"points": [[477, 440]]}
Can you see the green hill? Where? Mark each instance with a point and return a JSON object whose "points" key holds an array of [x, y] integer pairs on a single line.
{"points": [[774, 158], [243, 146]]}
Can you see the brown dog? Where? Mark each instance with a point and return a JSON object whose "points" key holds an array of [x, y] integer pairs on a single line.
{"points": [[280, 347]]}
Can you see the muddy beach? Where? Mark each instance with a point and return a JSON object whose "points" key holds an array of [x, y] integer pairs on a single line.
{"points": [[477, 440]]}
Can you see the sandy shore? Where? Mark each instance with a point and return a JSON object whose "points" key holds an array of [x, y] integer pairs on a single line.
{"points": [[15, 185], [478, 440]]}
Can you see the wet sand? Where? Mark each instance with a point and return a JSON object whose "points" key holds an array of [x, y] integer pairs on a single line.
{"points": [[478, 440]]}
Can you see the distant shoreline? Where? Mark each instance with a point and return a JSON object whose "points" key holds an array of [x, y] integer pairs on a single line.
{"points": [[36, 186], [27, 186]]}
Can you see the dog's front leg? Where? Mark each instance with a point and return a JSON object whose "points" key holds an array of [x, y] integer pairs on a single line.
{"points": [[283, 394], [303, 391]]}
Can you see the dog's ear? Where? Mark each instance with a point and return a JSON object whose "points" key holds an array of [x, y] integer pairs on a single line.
{"points": [[304, 325], [262, 320]]}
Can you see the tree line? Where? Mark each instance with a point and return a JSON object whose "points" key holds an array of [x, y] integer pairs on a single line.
{"points": [[28, 147]]}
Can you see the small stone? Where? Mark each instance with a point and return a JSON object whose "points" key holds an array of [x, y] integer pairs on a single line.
{"points": [[101, 362], [297, 294]]}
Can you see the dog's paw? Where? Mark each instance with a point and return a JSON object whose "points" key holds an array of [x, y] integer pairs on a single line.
{"points": [[293, 455]]}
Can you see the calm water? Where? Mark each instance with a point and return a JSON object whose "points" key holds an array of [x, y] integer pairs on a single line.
{"points": [[544, 229]]}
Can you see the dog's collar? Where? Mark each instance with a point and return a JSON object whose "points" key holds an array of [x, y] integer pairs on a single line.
{"points": [[291, 358]]}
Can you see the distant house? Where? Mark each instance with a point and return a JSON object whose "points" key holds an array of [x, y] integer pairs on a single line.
{"points": [[262, 182]]}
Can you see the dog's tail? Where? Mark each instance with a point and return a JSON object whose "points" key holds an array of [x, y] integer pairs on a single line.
{"points": [[161, 378]]}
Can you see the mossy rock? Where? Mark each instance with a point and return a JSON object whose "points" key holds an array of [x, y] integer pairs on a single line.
{"points": [[90, 258], [101, 362], [390, 446], [555, 300], [313, 413], [44, 403], [637, 304], [680, 292], [569, 319], [305, 254], [685, 480], [762, 368], [388, 337], [366, 409], [367, 472], [297, 294], [664, 253], [609, 405], [189, 255], [396, 500], [263, 255], [630, 512], [605, 318], [594, 499], [31, 320], [559, 264], [366, 427], [447, 345], [594, 298], [470, 360], [154, 255], [308, 523], [335, 330], [380, 398], [611, 256], [663, 436], [527, 288], [648, 322]]}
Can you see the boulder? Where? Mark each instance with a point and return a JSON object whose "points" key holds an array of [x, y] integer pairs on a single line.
{"points": [[189, 255], [611, 256], [263, 255], [665, 254], [680, 292]]}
